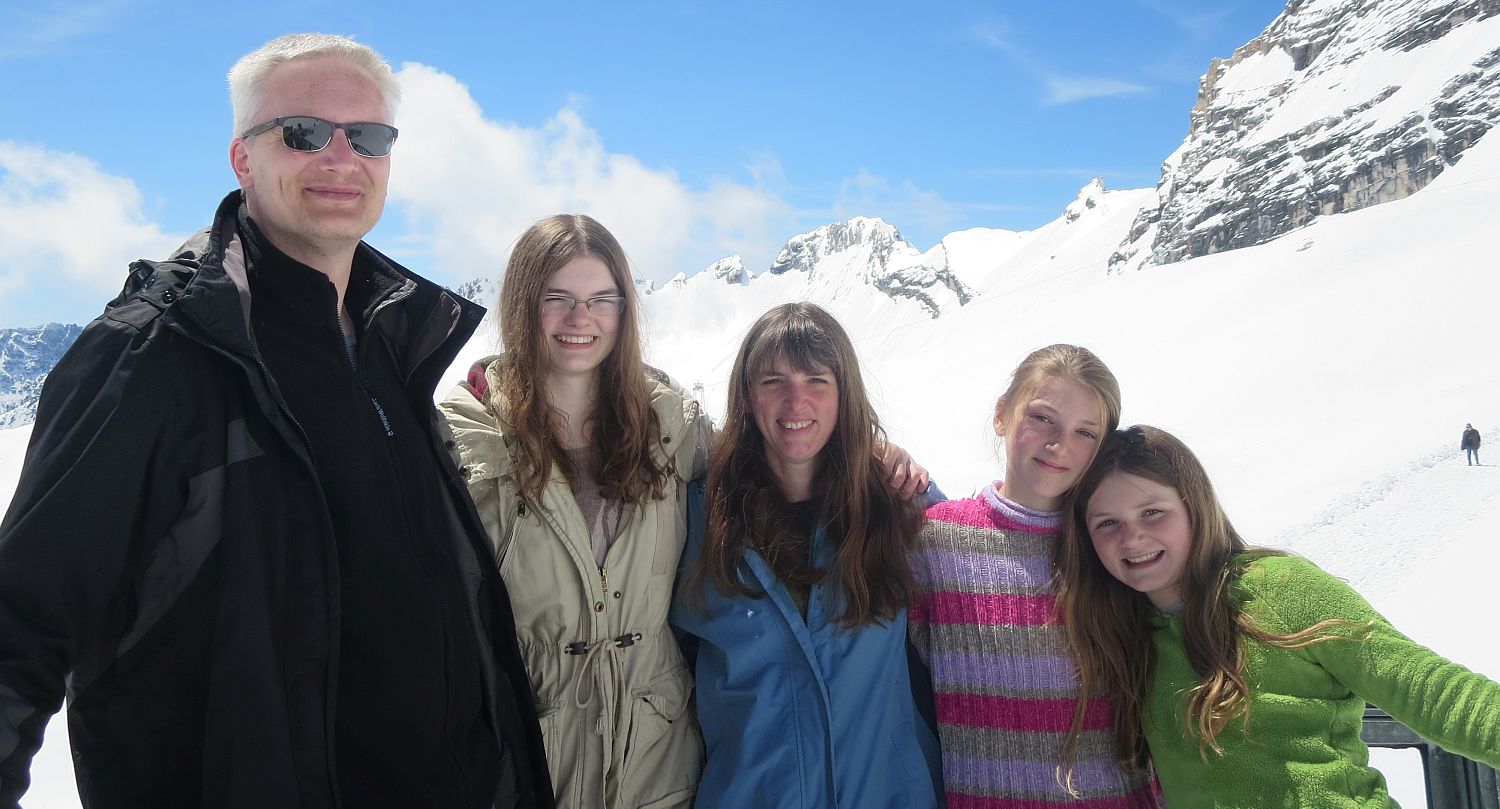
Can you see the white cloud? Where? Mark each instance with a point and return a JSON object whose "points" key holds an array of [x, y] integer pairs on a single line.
{"points": [[61, 215], [1059, 88], [469, 185], [1067, 89]]}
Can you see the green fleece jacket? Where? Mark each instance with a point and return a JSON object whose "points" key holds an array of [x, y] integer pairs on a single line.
{"points": [[1302, 746]]}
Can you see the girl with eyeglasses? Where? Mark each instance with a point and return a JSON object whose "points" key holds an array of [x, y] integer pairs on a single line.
{"points": [[577, 456]]}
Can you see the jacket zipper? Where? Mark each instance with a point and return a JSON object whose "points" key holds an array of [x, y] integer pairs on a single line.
{"points": [[330, 687]]}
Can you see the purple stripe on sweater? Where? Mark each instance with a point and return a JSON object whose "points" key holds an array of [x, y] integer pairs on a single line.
{"points": [[1012, 672], [986, 569], [1019, 515], [1017, 777]]}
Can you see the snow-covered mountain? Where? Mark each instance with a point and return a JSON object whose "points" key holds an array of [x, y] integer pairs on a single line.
{"points": [[867, 251], [1337, 106], [26, 357]]}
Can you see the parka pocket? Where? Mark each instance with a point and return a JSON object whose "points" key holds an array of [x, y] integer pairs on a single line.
{"points": [[560, 764], [664, 752]]}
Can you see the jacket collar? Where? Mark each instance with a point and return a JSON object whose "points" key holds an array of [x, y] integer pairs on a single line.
{"points": [[207, 280]]}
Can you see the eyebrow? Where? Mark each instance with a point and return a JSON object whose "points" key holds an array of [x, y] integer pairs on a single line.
{"points": [[598, 294], [1048, 405], [774, 372], [1150, 501]]}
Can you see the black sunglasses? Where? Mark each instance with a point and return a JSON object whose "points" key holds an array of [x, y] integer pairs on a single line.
{"points": [[304, 133]]}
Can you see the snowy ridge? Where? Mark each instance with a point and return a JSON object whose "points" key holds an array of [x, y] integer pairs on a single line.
{"points": [[26, 357], [866, 250], [1337, 106], [730, 270]]}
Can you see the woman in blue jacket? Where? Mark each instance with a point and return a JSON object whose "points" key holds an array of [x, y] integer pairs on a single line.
{"points": [[794, 585]]}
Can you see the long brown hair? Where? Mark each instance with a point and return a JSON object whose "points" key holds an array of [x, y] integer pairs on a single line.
{"points": [[625, 429], [1109, 625], [873, 526]]}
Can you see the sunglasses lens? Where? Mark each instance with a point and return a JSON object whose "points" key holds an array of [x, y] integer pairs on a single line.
{"points": [[306, 134], [371, 140]]}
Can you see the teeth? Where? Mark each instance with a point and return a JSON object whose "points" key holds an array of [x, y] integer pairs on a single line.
{"points": [[797, 425], [575, 339], [1145, 557]]}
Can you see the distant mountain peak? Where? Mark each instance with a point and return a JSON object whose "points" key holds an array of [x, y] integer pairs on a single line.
{"points": [[804, 252], [1089, 198], [868, 250], [730, 270], [26, 357]]}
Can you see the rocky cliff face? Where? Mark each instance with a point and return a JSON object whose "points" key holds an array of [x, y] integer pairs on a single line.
{"points": [[1338, 105], [26, 357]]}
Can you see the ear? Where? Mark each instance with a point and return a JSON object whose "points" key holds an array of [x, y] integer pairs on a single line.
{"points": [[239, 160], [1000, 418]]}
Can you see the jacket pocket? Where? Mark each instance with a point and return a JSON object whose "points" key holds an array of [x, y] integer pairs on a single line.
{"points": [[561, 752], [663, 755]]}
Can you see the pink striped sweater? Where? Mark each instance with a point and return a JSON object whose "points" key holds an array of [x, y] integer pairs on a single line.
{"points": [[1004, 683]]}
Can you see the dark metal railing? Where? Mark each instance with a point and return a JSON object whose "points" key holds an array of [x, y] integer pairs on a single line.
{"points": [[1453, 782]]}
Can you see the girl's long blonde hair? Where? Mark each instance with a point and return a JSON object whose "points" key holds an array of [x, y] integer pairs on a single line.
{"points": [[1110, 625]]}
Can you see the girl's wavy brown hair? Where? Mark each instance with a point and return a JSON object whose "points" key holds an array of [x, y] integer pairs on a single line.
{"points": [[624, 427], [873, 527], [1109, 625]]}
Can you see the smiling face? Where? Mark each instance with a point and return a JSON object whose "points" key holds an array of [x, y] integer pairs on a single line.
{"points": [[313, 204], [1051, 435], [1142, 533], [577, 342], [796, 413]]}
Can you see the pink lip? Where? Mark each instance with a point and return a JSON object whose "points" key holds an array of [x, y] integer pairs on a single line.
{"points": [[1050, 467], [335, 192], [574, 346]]}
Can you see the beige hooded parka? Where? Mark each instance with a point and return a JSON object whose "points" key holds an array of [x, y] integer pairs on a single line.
{"points": [[610, 683]]}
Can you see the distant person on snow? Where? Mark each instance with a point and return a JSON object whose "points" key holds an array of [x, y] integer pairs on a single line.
{"points": [[1470, 445], [238, 544], [1241, 673]]}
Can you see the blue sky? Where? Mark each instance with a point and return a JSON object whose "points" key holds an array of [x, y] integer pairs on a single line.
{"points": [[694, 130]]}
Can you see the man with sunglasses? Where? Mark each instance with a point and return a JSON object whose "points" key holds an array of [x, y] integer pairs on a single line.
{"points": [[238, 538]]}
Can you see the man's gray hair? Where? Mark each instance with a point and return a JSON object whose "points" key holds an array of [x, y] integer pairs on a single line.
{"points": [[247, 79]]}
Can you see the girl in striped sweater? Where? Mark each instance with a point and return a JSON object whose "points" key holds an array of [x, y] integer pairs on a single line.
{"points": [[1004, 682]]}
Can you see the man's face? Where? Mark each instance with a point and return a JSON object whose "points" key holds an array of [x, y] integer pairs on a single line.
{"points": [[312, 204]]}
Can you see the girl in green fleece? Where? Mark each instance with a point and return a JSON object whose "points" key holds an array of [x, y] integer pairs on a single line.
{"points": [[1241, 673]]}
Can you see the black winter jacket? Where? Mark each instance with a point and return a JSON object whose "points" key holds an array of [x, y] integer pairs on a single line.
{"points": [[169, 556]]}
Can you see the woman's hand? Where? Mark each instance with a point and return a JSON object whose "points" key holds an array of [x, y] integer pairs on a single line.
{"points": [[905, 476]]}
